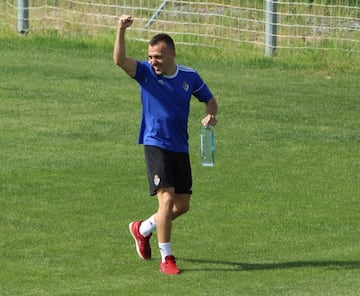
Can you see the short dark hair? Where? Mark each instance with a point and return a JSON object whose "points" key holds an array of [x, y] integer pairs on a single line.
{"points": [[165, 38]]}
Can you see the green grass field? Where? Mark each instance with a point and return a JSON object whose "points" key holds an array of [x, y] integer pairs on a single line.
{"points": [[278, 215]]}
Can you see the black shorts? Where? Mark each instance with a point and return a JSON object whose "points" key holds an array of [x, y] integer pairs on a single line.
{"points": [[168, 169]]}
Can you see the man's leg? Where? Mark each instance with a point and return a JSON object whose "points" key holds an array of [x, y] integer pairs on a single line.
{"points": [[171, 206], [164, 215]]}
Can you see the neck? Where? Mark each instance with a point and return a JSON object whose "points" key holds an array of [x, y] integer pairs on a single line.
{"points": [[171, 71]]}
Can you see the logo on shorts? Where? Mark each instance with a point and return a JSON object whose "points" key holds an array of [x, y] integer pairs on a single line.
{"points": [[156, 180]]}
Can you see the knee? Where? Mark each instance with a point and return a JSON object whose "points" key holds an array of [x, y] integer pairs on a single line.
{"points": [[185, 208], [178, 211], [166, 200], [181, 208]]}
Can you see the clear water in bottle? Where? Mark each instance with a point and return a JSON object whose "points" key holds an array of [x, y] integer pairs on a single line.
{"points": [[207, 146]]}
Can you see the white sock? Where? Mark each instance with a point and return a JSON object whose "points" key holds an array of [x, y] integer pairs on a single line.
{"points": [[147, 226], [165, 250]]}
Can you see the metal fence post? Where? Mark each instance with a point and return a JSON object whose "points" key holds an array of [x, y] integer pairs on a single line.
{"points": [[23, 16], [270, 27], [155, 15]]}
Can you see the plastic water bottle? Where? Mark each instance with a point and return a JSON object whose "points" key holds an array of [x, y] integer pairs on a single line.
{"points": [[207, 146]]}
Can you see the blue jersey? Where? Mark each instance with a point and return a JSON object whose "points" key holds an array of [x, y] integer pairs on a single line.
{"points": [[165, 105]]}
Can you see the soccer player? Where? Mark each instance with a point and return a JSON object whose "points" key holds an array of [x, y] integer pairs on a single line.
{"points": [[166, 89]]}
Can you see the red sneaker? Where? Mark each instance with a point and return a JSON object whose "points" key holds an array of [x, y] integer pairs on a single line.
{"points": [[169, 266], [142, 243]]}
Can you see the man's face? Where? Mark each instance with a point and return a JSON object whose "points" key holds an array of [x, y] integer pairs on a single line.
{"points": [[162, 59]]}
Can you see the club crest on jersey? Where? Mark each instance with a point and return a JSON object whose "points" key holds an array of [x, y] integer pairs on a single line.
{"points": [[156, 180], [185, 86]]}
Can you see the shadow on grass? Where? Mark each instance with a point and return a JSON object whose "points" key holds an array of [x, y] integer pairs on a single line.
{"points": [[218, 265]]}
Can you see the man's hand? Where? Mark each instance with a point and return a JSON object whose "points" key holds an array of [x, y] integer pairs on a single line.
{"points": [[125, 21], [209, 120]]}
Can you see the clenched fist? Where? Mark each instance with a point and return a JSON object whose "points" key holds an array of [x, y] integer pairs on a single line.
{"points": [[125, 21]]}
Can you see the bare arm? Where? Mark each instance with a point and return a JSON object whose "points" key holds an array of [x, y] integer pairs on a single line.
{"points": [[126, 63], [211, 110]]}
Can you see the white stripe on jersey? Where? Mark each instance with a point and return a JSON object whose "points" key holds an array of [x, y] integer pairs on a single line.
{"points": [[199, 88], [185, 69]]}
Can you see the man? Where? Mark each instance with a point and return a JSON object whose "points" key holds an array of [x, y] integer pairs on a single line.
{"points": [[166, 90]]}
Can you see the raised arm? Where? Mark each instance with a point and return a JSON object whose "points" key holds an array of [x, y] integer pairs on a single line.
{"points": [[126, 63], [211, 110]]}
